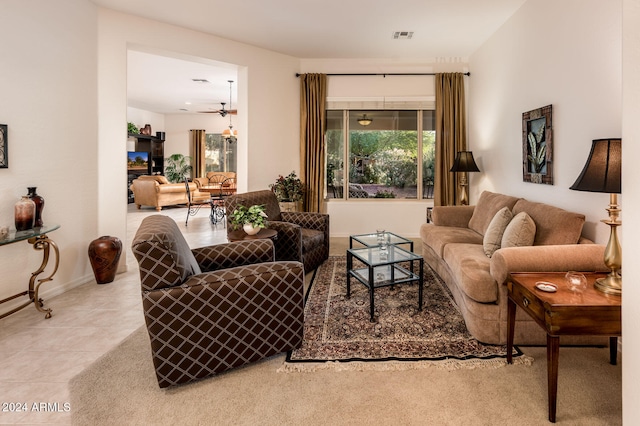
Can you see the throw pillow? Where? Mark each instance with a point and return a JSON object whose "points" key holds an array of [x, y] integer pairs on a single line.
{"points": [[520, 232], [493, 236]]}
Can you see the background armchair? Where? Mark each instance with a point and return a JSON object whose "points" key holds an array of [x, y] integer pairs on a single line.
{"points": [[302, 236], [214, 308]]}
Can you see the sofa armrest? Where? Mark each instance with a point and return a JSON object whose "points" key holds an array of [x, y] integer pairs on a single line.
{"points": [[145, 192], [229, 255], [457, 216], [552, 258]]}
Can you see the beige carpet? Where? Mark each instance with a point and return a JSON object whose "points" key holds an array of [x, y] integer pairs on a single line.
{"points": [[121, 389]]}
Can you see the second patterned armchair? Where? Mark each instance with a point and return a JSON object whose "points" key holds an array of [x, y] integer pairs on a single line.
{"points": [[302, 236]]}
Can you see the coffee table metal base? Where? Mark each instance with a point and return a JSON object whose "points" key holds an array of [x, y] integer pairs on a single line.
{"points": [[375, 275]]}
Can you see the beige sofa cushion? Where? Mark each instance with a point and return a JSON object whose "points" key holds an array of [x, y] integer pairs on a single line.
{"points": [[487, 207], [493, 237], [471, 269], [520, 232], [437, 237], [553, 225]]}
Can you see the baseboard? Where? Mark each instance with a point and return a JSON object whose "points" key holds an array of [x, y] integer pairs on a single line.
{"points": [[47, 291]]}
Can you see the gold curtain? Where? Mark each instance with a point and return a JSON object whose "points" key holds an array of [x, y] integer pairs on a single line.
{"points": [[313, 95], [451, 134], [197, 146]]}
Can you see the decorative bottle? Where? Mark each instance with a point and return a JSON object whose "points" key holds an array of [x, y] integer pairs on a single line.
{"points": [[25, 211], [39, 201]]}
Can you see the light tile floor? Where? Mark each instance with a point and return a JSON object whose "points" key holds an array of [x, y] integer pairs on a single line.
{"points": [[40, 356]]}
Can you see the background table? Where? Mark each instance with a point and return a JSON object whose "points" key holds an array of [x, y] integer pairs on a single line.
{"points": [[239, 235]]}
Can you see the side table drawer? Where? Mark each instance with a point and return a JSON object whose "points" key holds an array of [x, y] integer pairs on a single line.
{"points": [[528, 302]]}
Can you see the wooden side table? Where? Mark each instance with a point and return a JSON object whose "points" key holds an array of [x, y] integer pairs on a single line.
{"points": [[239, 235], [590, 313]]}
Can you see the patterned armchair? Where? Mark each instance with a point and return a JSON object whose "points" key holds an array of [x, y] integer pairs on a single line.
{"points": [[302, 236], [214, 308]]}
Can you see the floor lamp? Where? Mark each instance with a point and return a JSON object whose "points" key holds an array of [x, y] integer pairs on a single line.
{"points": [[464, 163], [602, 173]]}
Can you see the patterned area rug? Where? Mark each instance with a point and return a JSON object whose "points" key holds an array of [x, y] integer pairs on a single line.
{"points": [[338, 334]]}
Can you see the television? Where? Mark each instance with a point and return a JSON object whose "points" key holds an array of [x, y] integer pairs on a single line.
{"points": [[138, 162]]}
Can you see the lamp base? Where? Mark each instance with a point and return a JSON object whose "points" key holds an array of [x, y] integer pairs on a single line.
{"points": [[611, 284]]}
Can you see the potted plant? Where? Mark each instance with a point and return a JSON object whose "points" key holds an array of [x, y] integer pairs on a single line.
{"points": [[250, 219], [177, 168], [132, 128], [289, 192]]}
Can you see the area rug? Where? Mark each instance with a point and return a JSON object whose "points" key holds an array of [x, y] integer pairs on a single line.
{"points": [[339, 335]]}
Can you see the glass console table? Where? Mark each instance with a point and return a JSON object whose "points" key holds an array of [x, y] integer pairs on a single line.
{"points": [[40, 241]]}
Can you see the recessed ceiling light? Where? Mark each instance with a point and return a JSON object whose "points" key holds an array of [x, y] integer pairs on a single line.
{"points": [[187, 103], [405, 35]]}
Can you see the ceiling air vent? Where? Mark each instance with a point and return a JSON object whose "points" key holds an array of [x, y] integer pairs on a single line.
{"points": [[403, 35], [200, 80]]}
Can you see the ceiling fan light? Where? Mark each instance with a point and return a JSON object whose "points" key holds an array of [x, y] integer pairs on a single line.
{"points": [[229, 133]]}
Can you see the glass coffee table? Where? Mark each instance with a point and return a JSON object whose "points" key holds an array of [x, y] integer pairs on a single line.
{"points": [[371, 240], [383, 269]]}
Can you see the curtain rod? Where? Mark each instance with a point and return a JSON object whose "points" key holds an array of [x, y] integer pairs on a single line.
{"points": [[384, 74]]}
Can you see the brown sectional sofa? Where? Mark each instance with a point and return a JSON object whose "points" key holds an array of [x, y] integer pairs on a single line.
{"points": [[453, 246], [156, 191]]}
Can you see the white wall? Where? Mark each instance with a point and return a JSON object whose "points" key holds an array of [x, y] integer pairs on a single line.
{"points": [[49, 101], [567, 54], [631, 210], [576, 62], [359, 216]]}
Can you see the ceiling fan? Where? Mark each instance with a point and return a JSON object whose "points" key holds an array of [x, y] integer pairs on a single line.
{"points": [[223, 112]]}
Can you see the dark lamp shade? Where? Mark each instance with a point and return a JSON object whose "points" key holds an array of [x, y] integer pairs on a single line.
{"points": [[602, 173], [464, 162]]}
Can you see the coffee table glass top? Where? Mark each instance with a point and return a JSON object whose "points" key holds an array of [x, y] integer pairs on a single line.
{"points": [[371, 239], [372, 256]]}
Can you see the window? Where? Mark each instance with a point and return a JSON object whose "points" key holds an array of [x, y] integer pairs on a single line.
{"points": [[382, 151], [219, 153]]}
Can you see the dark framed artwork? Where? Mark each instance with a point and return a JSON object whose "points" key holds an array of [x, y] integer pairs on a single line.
{"points": [[537, 146], [4, 154]]}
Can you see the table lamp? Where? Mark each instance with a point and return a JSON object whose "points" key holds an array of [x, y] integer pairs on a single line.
{"points": [[464, 163], [602, 173]]}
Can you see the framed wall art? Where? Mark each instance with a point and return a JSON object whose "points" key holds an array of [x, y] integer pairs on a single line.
{"points": [[537, 146], [4, 155]]}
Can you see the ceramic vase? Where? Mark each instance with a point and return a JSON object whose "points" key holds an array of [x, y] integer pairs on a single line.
{"points": [[104, 254], [25, 211], [39, 202], [249, 229]]}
